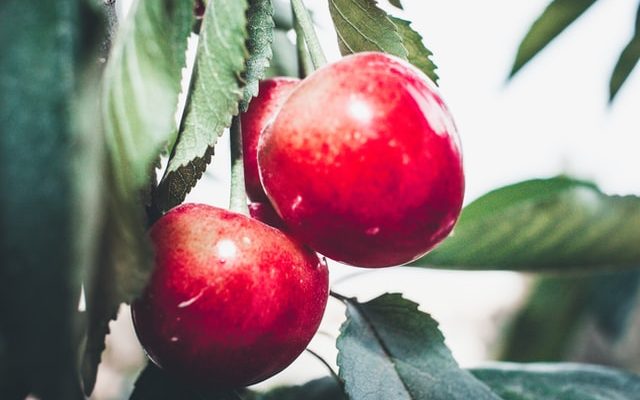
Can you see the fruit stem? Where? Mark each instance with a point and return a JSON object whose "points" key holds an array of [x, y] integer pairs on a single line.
{"points": [[237, 196], [305, 66], [340, 297], [306, 24]]}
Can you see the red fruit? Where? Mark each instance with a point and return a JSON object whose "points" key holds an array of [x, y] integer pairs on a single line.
{"points": [[363, 162], [265, 213], [231, 302], [262, 110]]}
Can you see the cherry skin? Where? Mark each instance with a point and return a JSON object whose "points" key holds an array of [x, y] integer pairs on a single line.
{"points": [[265, 213], [231, 302], [363, 162], [263, 108]]}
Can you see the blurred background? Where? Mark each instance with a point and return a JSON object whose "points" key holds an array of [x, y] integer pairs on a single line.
{"points": [[552, 118]]}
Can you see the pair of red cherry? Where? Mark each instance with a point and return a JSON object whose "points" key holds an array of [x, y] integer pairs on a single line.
{"points": [[360, 162]]}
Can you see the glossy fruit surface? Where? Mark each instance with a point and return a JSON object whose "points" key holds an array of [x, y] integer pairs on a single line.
{"points": [[263, 108], [363, 162], [265, 213], [231, 302]]}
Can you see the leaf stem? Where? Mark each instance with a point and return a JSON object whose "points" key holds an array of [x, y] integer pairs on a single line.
{"points": [[305, 65], [237, 196], [326, 364], [306, 25]]}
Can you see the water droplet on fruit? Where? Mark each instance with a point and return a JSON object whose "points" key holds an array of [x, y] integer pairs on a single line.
{"points": [[372, 231], [405, 159], [246, 240], [393, 143], [192, 300], [296, 202], [174, 339]]}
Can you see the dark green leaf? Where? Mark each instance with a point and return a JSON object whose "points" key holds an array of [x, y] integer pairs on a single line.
{"points": [[47, 173], [554, 224], [319, 389], [544, 327], [555, 18], [388, 349], [155, 384], [396, 3], [547, 327], [215, 94], [559, 381], [627, 61], [362, 26], [417, 53], [140, 92], [260, 30]]}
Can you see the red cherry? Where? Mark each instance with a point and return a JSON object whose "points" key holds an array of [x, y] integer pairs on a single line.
{"points": [[363, 162], [265, 213], [272, 93], [231, 302]]}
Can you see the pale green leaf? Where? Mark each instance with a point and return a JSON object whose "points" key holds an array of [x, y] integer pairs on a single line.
{"points": [[216, 91], [260, 30], [417, 53], [362, 26]]}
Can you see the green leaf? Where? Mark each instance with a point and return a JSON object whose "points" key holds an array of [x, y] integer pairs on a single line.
{"points": [[396, 3], [318, 389], [141, 86], [627, 61], [547, 327], [260, 30], [544, 328], [215, 93], [47, 172], [558, 15], [362, 26], [139, 101], [417, 53], [556, 224], [155, 384], [559, 381], [388, 349]]}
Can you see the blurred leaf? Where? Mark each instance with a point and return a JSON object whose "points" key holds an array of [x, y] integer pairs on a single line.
{"points": [[417, 53], [558, 15], [155, 384], [46, 175], [627, 61], [318, 389], [141, 86], [140, 92], [556, 224], [282, 16], [396, 3], [563, 381], [362, 26], [388, 349], [284, 62], [547, 326], [260, 36], [544, 327], [215, 93]]}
